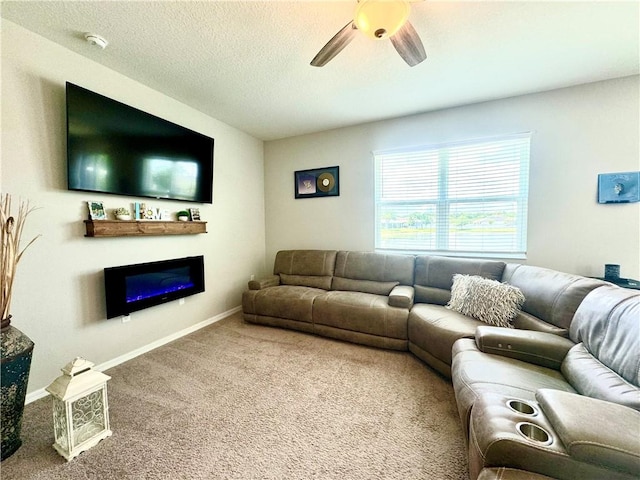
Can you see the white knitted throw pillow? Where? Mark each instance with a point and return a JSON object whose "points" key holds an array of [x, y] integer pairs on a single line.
{"points": [[486, 300]]}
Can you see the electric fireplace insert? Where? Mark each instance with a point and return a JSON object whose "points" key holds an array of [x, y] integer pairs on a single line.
{"points": [[130, 288]]}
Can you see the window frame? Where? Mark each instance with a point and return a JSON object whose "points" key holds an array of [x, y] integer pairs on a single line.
{"points": [[443, 202]]}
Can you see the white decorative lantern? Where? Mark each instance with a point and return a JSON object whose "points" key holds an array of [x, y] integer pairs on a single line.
{"points": [[80, 408]]}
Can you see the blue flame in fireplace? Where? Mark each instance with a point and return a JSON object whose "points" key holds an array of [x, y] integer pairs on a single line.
{"points": [[157, 284]]}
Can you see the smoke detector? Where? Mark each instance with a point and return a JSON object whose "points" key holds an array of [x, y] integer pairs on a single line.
{"points": [[96, 40]]}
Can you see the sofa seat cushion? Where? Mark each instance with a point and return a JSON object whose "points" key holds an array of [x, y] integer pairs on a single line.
{"points": [[285, 301], [361, 312], [435, 329], [473, 367]]}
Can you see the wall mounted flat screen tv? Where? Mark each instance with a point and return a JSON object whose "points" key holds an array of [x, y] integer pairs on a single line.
{"points": [[115, 148], [130, 288]]}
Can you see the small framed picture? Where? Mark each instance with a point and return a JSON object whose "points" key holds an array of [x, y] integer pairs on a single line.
{"points": [[97, 211], [621, 187], [318, 182], [195, 214]]}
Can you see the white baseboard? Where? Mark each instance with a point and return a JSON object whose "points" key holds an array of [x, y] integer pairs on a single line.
{"points": [[41, 393]]}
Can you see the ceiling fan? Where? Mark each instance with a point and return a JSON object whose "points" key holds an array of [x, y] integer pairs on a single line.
{"points": [[379, 19]]}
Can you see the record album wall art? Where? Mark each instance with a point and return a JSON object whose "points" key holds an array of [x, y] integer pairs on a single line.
{"points": [[318, 182]]}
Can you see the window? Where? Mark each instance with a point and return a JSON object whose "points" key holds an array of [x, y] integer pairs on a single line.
{"points": [[466, 199]]}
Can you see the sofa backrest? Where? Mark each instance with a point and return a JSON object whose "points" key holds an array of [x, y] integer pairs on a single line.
{"points": [[550, 295], [434, 275], [309, 268], [372, 272], [605, 363]]}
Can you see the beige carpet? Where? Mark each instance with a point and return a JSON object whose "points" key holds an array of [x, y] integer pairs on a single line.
{"points": [[240, 401]]}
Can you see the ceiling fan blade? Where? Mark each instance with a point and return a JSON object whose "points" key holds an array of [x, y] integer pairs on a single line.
{"points": [[408, 44], [335, 45]]}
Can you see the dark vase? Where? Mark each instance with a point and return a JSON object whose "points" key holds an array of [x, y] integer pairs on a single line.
{"points": [[16, 350]]}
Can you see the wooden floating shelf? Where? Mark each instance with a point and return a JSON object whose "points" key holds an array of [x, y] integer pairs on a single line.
{"points": [[131, 228]]}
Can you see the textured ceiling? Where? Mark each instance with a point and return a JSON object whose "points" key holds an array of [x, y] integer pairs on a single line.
{"points": [[247, 63]]}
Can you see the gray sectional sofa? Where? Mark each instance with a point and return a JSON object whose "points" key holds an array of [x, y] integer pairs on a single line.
{"points": [[555, 396], [360, 297]]}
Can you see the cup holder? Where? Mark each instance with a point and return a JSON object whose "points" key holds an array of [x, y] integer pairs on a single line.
{"points": [[522, 407], [534, 433]]}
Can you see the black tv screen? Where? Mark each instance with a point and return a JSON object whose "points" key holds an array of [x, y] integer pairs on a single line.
{"points": [[115, 148]]}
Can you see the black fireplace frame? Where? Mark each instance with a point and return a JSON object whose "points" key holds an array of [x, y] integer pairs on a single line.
{"points": [[185, 277]]}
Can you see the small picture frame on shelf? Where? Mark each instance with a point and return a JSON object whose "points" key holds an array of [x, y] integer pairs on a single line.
{"points": [[96, 211], [195, 214]]}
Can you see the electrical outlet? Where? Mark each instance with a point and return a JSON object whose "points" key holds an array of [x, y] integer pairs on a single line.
{"points": [[253, 277], [126, 318], [181, 301]]}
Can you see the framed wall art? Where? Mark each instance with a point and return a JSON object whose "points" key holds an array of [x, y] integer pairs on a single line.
{"points": [[195, 214], [96, 211], [619, 187], [318, 182]]}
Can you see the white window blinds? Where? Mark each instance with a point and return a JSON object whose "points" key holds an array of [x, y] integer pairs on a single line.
{"points": [[467, 198]]}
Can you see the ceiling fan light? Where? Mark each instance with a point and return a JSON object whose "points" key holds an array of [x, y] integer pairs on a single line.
{"points": [[381, 18]]}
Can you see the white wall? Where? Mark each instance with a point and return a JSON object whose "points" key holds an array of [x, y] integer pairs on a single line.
{"points": [[59, 298], [578, 133]]}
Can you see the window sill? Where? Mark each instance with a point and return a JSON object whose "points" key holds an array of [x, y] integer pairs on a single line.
{"points": [[451, 253]]}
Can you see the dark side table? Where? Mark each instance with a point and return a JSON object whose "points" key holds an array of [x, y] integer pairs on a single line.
{"points": [[622, 282]]}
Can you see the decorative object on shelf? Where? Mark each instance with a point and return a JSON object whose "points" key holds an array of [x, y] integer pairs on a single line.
{"points": [[195, 214], [122, 213], [149, 213], [318, 182], [183, 215], [619, 187], [80, 408], [15, 347], [96, 211]]}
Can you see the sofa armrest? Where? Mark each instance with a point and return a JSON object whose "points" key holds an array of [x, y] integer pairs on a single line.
{"points": [[540, 348], [592, 430], [270, 281], [401, 296]]}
